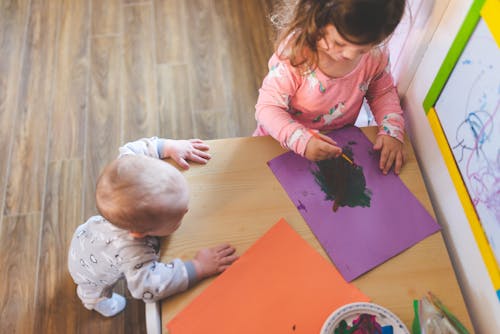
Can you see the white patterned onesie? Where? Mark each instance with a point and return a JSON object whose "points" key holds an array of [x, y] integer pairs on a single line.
{"points": [[100, 254]]}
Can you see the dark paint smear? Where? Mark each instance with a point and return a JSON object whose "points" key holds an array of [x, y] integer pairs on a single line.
{"points": [[301, 206], [343, 183]]}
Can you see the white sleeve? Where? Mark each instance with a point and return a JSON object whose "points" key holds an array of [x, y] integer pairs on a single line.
{"points": [[153, 281], [151, 147]]}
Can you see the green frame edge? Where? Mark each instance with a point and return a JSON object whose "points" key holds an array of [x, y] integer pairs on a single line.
{"points": [[453, 54]]}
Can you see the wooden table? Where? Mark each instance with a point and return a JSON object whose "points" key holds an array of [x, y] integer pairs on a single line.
{"points": [[235, 198]]}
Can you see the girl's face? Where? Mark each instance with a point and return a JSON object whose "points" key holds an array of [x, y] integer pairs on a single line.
{"points": [[338, 49]]}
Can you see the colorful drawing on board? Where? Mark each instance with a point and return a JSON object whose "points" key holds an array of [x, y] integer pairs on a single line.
{"points": [[394, 221], [468, 121], [472, 144], [463, 110], [342, 182]]}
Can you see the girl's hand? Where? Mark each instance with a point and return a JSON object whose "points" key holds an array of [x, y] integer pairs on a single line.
{"points": [[391, 152], [211, 261], [321, 147], [182, 150]]}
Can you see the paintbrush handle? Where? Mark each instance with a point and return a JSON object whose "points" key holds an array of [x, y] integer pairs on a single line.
{"points": [[317, 136], [347, 159]]}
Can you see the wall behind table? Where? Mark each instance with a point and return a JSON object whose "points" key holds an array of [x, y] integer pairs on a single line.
{"points": [[425, 48], [408, 44]]}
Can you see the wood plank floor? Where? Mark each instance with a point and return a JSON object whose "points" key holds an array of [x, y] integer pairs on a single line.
{"points": [[78, 78]]}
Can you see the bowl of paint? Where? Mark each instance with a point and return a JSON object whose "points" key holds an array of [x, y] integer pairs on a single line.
{"points": [[367, 317]]}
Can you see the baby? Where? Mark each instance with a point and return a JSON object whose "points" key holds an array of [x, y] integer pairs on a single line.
{"points": [[140, 198]]}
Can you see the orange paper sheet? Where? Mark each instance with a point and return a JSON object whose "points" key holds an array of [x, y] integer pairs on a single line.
{"points": [[280, 285]]}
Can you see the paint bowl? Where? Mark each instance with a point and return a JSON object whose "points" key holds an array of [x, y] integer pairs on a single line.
{"points": [[352, 311]]}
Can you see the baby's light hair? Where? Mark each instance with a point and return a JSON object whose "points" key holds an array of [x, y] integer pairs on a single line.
{"points": [[137, 193], [300, 25]]}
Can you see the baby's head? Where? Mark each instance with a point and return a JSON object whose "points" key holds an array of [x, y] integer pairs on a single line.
{"points": [[142, 195]]}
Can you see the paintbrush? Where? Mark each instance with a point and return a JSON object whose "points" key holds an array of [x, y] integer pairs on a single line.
{"points": [[317, 136]]}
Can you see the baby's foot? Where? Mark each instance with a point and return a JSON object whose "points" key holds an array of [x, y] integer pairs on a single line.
{"points": [[111, 306]]}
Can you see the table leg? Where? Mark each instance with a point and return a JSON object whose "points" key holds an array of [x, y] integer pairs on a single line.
{"points": [[153, 318]]}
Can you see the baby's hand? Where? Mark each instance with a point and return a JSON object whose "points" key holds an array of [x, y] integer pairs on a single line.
{"points": [[182, 150], [392, 152], [321, 147], [211, 261]]}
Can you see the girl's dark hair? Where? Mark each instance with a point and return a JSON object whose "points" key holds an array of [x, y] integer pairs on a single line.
{"points": [[300, 24]]}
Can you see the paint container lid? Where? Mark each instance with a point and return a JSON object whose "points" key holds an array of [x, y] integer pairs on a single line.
{"points": [[389, 321]]}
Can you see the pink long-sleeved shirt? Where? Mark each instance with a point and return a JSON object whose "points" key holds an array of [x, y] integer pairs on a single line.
{"points": [[290, 102]]}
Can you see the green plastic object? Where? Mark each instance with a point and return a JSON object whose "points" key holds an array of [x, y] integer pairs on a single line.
{"points": [[415, 326]]}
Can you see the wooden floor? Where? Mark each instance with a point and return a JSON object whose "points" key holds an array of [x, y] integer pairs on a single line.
{"points": [[78, 78]]}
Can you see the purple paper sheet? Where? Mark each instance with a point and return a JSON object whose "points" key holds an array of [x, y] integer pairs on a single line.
{"points": [[356, 239]]}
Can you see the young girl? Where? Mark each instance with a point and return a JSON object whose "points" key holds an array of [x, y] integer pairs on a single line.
{"points": [[328, 59]]}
